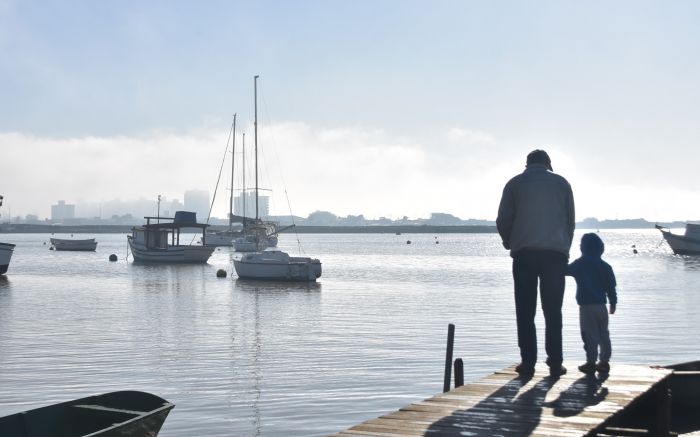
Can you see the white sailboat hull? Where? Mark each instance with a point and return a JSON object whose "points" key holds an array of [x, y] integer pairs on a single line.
{"points": [[250, 243], [219, 239], [6, 250], [170, 254], [276, 265]]}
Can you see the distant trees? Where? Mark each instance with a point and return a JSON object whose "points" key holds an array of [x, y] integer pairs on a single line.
{"points": [[322, 218], [444, 219]]}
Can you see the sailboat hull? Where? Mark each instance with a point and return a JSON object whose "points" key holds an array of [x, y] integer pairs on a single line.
{"points": [[277, 266]]}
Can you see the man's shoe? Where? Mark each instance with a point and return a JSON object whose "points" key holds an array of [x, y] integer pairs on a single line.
{"points": [[557, 371], [587, 368], [603, 367], [525, 370]]}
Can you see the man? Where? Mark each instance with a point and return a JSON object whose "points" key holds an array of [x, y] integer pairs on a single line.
{"points": [[536, 223]]}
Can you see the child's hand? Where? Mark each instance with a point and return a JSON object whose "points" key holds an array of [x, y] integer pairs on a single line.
{"points": [[612, 308]]}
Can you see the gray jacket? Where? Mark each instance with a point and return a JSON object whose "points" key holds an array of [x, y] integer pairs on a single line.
{"points": [[537, 212]]}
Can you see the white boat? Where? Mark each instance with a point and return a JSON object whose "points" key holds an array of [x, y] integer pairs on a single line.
{"points": [[250, 243], [160, 242], [688, 244], [87, 245], [221, 238], [226, 237], [6, 250], [277, 265]]}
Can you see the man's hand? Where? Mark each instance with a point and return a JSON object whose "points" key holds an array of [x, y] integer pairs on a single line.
{"points": [[612, 308]]}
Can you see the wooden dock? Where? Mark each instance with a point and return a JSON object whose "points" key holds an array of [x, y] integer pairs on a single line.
{"points": [[505, 404]]}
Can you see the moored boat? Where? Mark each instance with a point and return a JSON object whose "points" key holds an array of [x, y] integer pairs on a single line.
{"points": [[277, 265], [687, 244], [221, 238], [6, 250], [160, 242], [115, 414], [87, 244]]}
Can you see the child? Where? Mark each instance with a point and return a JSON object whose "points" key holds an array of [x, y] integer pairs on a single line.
{"points": [[594, 281]]}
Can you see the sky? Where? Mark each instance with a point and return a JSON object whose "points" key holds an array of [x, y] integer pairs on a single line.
{"points": [[384, 108]]}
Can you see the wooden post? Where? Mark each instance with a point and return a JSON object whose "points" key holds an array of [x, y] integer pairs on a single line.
{"points": [[448, 358], [459, 373], [663, 409]]}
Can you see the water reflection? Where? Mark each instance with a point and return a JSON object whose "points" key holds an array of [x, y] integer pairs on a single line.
{"points": [[253, 286], [690, 262]]}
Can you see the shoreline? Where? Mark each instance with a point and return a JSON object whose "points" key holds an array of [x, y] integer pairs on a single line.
{"points": [[302, 229]]}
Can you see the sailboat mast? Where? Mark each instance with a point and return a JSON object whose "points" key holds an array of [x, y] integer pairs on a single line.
{"points": [[255, 86], [233, 161]]}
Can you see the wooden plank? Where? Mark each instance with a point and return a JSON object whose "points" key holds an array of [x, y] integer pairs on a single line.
{"points": [[505, 404]]}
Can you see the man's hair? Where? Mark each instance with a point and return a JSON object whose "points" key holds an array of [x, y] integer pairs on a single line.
{"points": [[539, 156]]}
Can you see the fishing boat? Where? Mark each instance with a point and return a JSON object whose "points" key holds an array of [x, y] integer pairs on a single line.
{"points": [[159, 242], [87, 244], [688, 244], [6, 250], [278, 266], [115, 414]]}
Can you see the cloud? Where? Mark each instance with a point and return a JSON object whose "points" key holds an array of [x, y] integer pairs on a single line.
{"points": [[345, 170]]}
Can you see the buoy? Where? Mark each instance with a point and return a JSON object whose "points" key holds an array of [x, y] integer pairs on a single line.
{"points": [[51, 248], [44, 243], [221, 273], [437, 242], [634, 251], [408, 241], [113, 257]]}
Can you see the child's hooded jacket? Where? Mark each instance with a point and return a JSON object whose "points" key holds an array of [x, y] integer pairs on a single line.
{"points": [[595, 278]]}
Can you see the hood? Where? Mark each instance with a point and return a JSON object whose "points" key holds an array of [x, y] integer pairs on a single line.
{"points": [[592, 245]]}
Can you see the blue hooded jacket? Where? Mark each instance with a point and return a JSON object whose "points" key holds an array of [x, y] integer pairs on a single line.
{"points": [[594, 277]]}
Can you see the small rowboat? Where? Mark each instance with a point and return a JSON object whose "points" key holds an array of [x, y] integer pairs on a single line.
{"points": [[87, 245], [116, 414]]}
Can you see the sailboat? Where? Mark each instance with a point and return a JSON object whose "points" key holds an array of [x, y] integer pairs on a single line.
{"points": [[258, 234], [269, 264], [226, 237]]}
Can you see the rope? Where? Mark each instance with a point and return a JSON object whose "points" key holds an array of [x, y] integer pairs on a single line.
{"points": [[218, 179], [221, 169], [279, 166]]}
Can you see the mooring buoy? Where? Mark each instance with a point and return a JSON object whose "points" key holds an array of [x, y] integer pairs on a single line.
{"points": [[221, 273], [113, 257]]}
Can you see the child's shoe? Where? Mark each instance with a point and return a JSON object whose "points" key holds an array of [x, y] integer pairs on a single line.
{"points": [[603, 367], [587, 368]]}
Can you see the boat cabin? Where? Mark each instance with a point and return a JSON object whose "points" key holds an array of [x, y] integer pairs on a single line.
{"points": [[692, 230], [162, 233]]}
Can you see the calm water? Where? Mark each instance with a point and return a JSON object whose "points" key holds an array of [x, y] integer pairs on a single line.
{"points": [[246, 358]]}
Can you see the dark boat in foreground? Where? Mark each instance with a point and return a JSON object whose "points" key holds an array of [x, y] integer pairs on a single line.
{"points": [[116, 414]]}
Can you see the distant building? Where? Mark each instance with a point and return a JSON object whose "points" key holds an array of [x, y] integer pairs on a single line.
{"points": [[62, 211], [197, 201], [263, 205]]}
